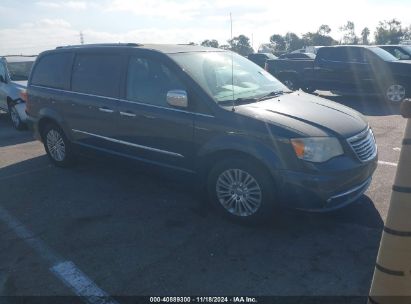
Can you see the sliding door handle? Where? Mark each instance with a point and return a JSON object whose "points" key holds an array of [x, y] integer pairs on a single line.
{"points": [[106, 110], [129, 114]]}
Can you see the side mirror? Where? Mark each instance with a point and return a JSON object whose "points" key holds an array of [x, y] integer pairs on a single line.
{"points": [[177, 98]]}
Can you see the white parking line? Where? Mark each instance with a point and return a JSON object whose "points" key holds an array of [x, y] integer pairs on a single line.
{"points": [[387, 163], [66, 271]]}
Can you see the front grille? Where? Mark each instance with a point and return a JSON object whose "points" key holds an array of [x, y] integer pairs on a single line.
{"points": [[364, 145]]}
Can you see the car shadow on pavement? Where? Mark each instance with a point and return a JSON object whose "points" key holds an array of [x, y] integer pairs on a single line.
{"points": [[10, 136], [361, 213], [138, 231], [367, 105]]}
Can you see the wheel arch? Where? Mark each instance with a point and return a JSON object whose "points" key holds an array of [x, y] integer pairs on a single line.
{"points": [[224, 148], [48, 116]]}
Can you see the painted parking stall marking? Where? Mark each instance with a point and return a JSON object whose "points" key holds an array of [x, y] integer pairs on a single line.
{"points": [[387, 163], [65, 271]]}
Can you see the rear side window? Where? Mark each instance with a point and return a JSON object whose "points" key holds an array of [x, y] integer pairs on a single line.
{"points": [[355, 54], [97, 74], [53, 71], [334, 54]]}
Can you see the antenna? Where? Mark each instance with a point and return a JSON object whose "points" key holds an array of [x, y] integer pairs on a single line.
{"points": [[81, 38], [232, 65]]}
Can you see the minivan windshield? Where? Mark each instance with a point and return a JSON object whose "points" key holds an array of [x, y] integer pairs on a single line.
{"points": [[226, 76]]}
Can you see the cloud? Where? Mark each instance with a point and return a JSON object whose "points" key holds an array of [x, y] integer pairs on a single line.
{"points": [[52, 23], [183, 21], [171, 9], [78, 5], [32, 38]]}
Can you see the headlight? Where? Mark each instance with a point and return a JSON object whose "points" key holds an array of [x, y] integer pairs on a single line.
{"points": [[317, 149]]}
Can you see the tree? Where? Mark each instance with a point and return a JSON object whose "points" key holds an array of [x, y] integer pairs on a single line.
{"points": [[317, 39], [293, 42], [210, 43], [321, 37], [224, 47], [278, 43], [365, 33], [241, 45], [324, 30], [266, 48], [389, 32], [349, 33], [407, 33]]}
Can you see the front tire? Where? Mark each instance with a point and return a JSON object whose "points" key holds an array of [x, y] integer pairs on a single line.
{"points": [[18, 124], [57, 146], [395, 93], [242, 190]]}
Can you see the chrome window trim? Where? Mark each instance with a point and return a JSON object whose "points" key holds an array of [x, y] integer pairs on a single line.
{"points": [[123, 100], [129, 143]]}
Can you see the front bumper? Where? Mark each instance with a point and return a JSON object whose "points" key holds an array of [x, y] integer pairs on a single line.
{"points": [[329, 191]]}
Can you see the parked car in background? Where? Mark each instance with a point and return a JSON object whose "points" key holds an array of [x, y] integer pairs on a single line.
{"points": [[14, 73], [297, 56], [252, 143], [260, 58], [348, 70], [401, 52]]}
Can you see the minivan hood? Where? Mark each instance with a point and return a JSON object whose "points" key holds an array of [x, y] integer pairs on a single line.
{"points": [[307, 114]]}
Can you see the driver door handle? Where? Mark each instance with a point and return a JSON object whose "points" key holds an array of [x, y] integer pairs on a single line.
{"points": [[127, 113]]}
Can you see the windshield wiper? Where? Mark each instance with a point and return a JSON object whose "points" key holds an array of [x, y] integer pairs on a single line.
{"points": [[273, 94], [241, 100], [238, 101]]}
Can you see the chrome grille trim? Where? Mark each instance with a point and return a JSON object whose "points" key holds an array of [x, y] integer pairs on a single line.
{"points": [[363, 145]]}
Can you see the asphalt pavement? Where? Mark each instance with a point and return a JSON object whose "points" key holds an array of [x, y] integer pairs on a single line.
{"points": [[125, 230]]}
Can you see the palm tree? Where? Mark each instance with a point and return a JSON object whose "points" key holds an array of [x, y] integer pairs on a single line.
{"points": [[364, 35]]}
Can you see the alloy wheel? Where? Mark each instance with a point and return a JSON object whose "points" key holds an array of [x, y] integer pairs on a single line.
{"points": [[395, 93], [238, 192], [55, 145]]}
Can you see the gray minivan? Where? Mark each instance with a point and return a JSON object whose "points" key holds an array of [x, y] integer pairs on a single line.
{"points": [[253, 143]]}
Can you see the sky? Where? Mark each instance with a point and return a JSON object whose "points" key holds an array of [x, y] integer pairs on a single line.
{"points": [[29, 27]]}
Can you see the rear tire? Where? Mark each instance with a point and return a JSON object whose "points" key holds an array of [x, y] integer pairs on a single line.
{"points": [[57, 146], [18, 124], [242, 190]]}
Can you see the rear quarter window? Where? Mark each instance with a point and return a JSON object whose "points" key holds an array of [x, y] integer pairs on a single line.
{"points": [[52, 70]]}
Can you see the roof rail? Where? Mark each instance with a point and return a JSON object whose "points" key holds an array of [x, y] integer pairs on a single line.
{"points": [[100, 44], [21, 55]]}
